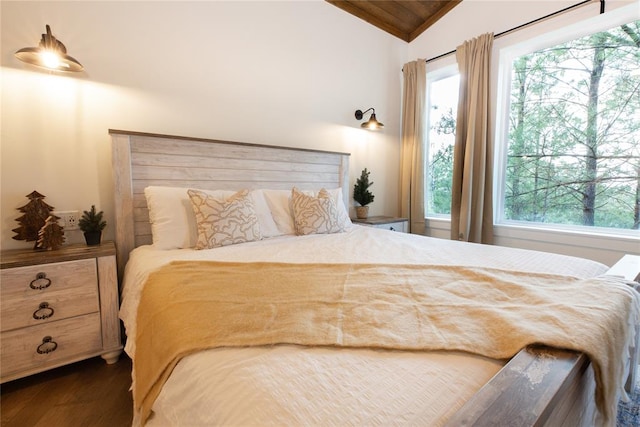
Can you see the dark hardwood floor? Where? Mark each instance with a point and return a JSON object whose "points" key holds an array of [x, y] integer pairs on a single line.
{"points": [[87, 393]]}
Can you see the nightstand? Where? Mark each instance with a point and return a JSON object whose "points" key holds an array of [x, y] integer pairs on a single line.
{"points": [[58, 307], [385, 222]]}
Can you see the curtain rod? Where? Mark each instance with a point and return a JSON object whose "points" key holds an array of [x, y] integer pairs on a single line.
{"points": [[602, 2]]}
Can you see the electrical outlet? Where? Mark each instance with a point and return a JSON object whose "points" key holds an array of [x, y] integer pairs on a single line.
{"points": [[68, 219]]}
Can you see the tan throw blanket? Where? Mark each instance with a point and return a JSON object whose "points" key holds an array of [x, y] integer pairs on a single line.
{"points": [[189, 306]]}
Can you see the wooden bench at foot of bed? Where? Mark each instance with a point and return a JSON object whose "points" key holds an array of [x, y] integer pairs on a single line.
{"points": [[540, 386], [543, 386]]}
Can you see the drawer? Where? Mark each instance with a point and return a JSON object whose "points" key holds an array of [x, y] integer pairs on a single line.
{"points": [[19, 350], [50, 306], [394, 226], [19, 283]]}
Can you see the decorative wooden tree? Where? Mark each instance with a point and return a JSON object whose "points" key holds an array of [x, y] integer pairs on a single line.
{"points": [[35, 215], [51, 235]]}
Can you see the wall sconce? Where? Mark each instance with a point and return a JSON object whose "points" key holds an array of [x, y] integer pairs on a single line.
{"points": [[50, 54], [372, 123]]}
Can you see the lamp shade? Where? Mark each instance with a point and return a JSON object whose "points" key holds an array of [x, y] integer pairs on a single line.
{"points": [[50, 54], [372, 123]]}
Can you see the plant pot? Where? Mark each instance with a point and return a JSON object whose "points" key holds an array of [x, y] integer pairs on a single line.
{"points": [[92, 237], [362, 212]]}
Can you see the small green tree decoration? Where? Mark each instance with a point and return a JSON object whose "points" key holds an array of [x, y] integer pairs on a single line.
{"points": [[92, 224], [35, 214], [92, 220], [361, 193]]}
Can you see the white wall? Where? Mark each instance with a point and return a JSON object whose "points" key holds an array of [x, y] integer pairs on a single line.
{"points": [[471, 18], [286, 73], [280, 73], [474, 17]]}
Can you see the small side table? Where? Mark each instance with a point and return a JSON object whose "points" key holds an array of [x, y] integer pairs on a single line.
{"points": [[58, 307], [385, 222]]}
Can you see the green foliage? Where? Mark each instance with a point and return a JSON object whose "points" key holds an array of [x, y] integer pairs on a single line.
{"points": [[440, 178], [361, 193], [447, 124], [92, 220], [574, 134], [440, 169]]}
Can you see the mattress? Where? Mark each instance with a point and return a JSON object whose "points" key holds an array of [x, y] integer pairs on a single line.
{"points": [[294, 385]]}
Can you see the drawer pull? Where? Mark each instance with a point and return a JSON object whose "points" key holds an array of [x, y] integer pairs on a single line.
{"points": [[48, 345], [40, 282], [43, 311]]}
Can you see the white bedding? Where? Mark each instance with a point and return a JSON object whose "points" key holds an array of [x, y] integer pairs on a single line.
{"points": [[290, 385]]}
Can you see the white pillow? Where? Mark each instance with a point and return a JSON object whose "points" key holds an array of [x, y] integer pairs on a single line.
{"points": [[173, 223], [280, 206], [267, 224], [279, 202], [224, 221]]}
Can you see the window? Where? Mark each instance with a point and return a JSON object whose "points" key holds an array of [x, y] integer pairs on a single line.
{"points": [[573, 149], [442, 106]]}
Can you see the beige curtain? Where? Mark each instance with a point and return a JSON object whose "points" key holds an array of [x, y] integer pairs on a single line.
{"points": [[472, 198], [412, 151]]}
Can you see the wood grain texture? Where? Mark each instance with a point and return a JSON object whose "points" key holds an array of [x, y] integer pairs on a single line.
{"points": [[81, 297], [538, 387], [109, 305], [21, 257], [122, 189], [75, 337], [85, 393], [72, 292], [142, 159], [405, 19]]}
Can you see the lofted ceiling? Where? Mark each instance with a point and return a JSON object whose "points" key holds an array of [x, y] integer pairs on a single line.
{"points": [[405, 19]]}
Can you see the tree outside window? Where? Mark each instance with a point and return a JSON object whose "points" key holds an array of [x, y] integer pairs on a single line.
{"points": [[443, 103], [574, 133]]}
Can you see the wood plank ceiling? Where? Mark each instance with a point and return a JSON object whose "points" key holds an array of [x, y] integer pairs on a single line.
{"points": [[405, 19]]}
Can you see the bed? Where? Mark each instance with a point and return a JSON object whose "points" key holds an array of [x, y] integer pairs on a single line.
{"points": [[357, 367]]}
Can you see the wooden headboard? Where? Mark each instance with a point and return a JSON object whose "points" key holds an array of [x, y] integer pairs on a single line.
{"points": [[143, 159]]}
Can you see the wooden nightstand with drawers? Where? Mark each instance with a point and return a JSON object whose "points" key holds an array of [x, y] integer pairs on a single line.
{"points": [[385, 222], [57, 307]]}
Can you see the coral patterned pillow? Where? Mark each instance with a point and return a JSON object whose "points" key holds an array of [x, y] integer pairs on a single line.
{"points": [[223, 222], [315, 215]]}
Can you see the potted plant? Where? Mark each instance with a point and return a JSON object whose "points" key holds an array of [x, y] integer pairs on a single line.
{"points": [[92, 224], [362, 195]]}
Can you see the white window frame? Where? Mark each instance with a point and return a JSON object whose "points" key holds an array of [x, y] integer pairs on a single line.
{"points": [[506, 55]]}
